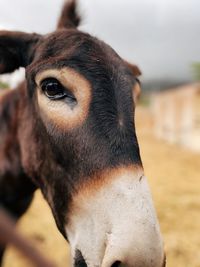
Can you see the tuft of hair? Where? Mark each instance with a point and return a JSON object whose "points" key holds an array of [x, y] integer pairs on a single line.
{"points": [[69, 17]]}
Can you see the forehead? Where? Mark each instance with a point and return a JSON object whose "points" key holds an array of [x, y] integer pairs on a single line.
{"points": [[67, 43], [80, 51]]}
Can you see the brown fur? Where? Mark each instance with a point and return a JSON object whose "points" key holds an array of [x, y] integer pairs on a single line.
{"points": [[35, 152], [69, 17]]}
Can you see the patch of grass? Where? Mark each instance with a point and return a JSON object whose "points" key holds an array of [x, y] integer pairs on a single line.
{"points": [[3, 85]]}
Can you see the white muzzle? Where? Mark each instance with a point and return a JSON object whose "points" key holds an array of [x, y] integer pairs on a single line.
{"points": [[116, 222]]}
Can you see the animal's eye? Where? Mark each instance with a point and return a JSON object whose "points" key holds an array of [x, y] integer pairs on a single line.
{"points": [[54, 90]]}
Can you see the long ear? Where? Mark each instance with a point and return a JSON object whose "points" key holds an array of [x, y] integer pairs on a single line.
{"points": [[69, 17], [16, 50], [136, 73], [134, 69]]}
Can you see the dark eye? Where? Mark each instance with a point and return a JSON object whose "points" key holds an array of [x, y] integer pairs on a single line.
{"points": [[54, 90]]}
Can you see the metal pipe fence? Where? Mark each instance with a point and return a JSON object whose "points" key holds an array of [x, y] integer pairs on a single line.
{"points": [[10, 235]]}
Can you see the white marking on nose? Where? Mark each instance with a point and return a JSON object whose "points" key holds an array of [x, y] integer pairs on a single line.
{"points": [[117, 222]]}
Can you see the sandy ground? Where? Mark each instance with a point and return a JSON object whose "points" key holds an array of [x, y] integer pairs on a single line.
{"points": [[174, 177]]}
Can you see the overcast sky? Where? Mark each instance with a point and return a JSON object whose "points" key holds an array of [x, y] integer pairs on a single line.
{"points": [[161, 36]]}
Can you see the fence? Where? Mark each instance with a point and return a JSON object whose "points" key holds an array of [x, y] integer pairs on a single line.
{"points": [[10, 235]]}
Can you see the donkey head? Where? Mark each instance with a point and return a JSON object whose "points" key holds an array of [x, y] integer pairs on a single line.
{"points": [[78, 143]]}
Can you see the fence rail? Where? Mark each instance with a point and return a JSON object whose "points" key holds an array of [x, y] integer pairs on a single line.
{"points": [[10, 235]]}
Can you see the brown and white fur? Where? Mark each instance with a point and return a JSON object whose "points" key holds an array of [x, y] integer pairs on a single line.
{"points": [[69, 130]]}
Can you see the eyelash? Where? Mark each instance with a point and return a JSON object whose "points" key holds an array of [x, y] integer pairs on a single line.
{"points": [[54, 90]]}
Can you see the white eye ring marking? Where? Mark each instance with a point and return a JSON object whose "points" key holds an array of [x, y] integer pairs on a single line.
{"points": [[58, 112]]}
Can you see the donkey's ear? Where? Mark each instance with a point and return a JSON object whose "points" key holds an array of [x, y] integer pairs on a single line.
{"points": [[16, 50], [136, 73], [69, 17], [134, 69]]}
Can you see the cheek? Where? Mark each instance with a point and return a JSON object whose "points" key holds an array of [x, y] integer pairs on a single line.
{"points": [[60, 114]]}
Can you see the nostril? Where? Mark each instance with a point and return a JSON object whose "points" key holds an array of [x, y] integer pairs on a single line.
{"points": [[116, 264], [79, 260]]}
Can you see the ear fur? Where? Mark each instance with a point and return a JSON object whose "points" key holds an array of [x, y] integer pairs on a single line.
{"points": [[136, 73], [69, 17], [134, 69], [16, 50]]}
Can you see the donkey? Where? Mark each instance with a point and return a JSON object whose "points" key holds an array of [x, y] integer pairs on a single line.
{"points": [[69, 130]]}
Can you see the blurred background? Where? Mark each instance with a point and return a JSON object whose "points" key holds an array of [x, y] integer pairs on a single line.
{"points": [[163, 38]]}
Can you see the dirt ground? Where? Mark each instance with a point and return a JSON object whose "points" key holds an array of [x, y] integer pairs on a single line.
{"points": [[174, 177]]}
